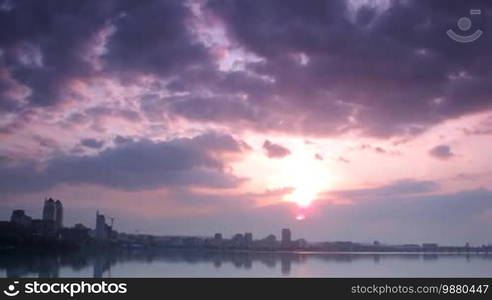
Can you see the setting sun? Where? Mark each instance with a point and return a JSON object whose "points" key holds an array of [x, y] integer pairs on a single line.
{"points": [[305, 174]]}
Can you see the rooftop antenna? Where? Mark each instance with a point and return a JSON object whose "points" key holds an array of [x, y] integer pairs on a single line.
{"points": [[112, 220]]}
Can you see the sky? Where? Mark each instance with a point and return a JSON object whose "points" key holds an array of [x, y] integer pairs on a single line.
{"points": [[340, 119]]}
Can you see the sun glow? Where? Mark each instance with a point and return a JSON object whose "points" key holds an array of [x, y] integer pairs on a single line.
{"points": [[301, 176], [306, 175]]}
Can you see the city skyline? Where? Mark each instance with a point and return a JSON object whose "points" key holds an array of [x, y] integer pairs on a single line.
{"points": [[340, 119], [51, 227]]}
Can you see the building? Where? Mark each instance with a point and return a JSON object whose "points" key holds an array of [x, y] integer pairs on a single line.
{"points": [[237, 241], [58, 214], [20, 218], [286, 238], [217, 241], [268, 243], [49, 209], [77, 234], [300, 244], [53, 212], [193, 242], [101, 233], [45, 228], [410, 247], [248, 240], [103, 230], [430, 247]]}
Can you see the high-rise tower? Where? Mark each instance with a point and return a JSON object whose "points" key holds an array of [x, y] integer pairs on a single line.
{"points": [[49, 210], [58, 214], [286, 237], [53, 213], [101, 231]]}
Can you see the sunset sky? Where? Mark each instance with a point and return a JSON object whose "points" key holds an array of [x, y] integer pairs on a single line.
{"points": [[342, 120]]}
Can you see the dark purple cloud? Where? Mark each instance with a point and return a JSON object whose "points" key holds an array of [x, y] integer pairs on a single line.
{"points": [[92, 143], [397, 189], [133, 165], [275, 150], [441, 152], [122, 140], [46, 46], [151, 37], [409, 75], [46, 142]]}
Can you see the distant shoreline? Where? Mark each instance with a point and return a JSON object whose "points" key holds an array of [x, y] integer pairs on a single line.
{"points": [[43, 251]]}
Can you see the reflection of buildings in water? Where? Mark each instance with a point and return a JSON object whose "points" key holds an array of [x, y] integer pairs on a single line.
{"points": [[268, 260], [45, 266], [286, 260], [409, 256], [102, 263], [376, 258], [303, 259], [242, 260], [248, 264], [336, 257], [430, 256], [15, 268], [217, 262], [285, 265], [17, 271], [49, 267], [76, 261]]}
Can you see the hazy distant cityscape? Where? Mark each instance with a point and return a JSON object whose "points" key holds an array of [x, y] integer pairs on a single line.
{"points": [[23, 232]]}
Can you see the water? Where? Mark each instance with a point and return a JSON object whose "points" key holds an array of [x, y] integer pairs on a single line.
{"points": [[215, 264]]}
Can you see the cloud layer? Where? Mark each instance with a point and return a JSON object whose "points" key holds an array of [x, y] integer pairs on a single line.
{"points": [[133, 165], [216, 100]]}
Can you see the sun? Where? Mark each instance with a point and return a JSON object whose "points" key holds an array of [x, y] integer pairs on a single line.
{"points": [[302, 171], [305, 174], [300, 217]]}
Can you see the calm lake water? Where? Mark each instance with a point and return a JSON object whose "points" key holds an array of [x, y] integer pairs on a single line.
{"points": [[215, 264]]}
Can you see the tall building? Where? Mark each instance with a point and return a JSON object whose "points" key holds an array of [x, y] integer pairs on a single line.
{"points": [[237, 240], [217, 241], [100, 227], [248, 239], [53, 212], [286, 237], [58, 214], [103, 230], [270, 242], [20, 218], [49, 210]]}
